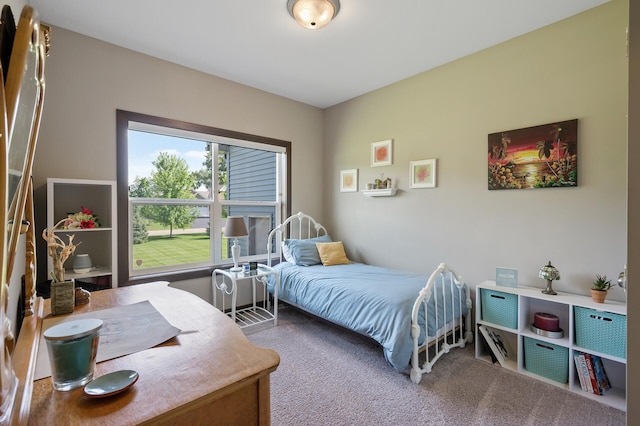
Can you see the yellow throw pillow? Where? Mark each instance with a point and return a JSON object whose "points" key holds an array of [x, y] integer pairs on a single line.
{"points": [[332, 253]]}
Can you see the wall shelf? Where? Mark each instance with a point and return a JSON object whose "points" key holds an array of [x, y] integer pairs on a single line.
{"points": [[390, 192]]}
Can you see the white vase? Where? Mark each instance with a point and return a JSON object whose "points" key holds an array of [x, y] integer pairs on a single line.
{"points": [[82, 264]]}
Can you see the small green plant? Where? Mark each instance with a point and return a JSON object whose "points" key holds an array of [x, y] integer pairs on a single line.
{"points": [[601, 283]]}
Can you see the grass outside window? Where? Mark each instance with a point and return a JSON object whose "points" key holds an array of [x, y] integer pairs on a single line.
{"points": [[160, 250]]}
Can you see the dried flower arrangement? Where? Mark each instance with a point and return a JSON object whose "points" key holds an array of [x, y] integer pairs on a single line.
{"points": [[58, 250]]}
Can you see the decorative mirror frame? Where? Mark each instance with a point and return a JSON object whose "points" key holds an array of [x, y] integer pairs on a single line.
{"points": [[7, 375], [20, 122], [29, 45]]}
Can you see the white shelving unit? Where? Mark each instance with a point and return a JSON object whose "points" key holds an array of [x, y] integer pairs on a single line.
{"points": [[66, 196], [531, 300]]}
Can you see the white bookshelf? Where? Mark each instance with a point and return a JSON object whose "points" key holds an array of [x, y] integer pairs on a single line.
{"points": [[531, 300], [66, 196]]}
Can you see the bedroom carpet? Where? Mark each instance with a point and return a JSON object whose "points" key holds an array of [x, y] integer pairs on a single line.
{"points": [[330, 376]]}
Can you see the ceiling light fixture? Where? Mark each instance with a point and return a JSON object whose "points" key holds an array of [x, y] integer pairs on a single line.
{"points": [[313, 14]]}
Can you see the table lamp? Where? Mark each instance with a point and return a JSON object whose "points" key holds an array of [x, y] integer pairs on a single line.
{"points": [[549, 273], [235, 228]]}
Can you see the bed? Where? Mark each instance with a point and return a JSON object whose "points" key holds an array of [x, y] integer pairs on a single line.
{"points": [[390, 306]]}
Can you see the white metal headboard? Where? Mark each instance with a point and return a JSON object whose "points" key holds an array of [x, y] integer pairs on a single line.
{"points": [[299, 226]]}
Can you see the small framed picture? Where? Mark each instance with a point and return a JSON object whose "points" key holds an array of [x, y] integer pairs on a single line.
{"points": [[382, 153], [507, 277], [349, 180], [423, 173]]}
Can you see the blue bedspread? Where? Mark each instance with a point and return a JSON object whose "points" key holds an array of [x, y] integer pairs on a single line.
{"points": [[371, 300]]}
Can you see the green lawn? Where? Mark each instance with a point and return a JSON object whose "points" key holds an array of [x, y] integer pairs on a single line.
{"points": [[160, 250]]}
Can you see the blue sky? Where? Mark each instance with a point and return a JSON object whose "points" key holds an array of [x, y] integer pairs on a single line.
{"points": [[144, 148]]}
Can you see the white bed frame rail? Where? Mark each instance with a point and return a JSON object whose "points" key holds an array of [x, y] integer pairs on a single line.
{"points": [[300, 226], [448, 336]]}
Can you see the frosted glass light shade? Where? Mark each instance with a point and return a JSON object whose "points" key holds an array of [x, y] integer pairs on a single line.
{"points": [[313, 14]]}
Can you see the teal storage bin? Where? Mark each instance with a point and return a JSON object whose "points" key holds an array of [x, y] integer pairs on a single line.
{"points": [[546, 360], [599, 331], [499, 308]]}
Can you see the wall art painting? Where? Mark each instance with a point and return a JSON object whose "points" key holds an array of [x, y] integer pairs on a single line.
{"points": [[422, 173], [349, 180], [382, 153], [535, 157]]}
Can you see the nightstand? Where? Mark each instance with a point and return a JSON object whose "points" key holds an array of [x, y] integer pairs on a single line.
{"points": [[259, 312]]}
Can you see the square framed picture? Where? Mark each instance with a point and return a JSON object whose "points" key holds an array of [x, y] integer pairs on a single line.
{"points": [[423, 173], [382, 153], [349, 180]]}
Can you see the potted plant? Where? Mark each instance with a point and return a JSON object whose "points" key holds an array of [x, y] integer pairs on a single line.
{"points": [[599, 289]]}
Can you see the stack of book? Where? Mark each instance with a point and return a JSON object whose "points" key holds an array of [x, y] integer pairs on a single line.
{"points": [[593, 378]]}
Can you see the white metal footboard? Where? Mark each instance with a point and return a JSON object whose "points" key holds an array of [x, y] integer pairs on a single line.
{"points": [[448, 335]]}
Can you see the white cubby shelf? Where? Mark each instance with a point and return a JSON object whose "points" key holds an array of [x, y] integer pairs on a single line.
{"points": [[531, 300]]}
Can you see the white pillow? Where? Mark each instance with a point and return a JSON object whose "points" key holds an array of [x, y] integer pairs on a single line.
{"points": [[287, 254]]}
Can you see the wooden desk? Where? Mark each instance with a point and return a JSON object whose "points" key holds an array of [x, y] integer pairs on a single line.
{"points": [[209, 374]]}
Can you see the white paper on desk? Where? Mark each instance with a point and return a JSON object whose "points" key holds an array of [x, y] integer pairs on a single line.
{"points": [[126, 329]]}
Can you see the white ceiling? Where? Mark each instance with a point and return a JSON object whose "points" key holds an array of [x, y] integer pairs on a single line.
{"points": [[370, 44]]}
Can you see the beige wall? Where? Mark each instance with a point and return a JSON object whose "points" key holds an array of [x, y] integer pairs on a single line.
{"points": [[87, 80], [16, 7], [573, 69]]}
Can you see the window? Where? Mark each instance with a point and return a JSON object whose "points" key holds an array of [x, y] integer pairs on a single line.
{"points": [[177, 184]]}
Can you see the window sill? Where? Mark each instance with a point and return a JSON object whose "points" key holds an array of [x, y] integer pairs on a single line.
{"points": [[183, 275]]}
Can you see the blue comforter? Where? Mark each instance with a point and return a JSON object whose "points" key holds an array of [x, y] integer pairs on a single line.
{"points": [[368, 299]]}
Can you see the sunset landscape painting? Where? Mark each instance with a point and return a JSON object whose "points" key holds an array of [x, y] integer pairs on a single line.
{"points": [[534, 157]]}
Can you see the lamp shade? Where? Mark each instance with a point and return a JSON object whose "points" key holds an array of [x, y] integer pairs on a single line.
{"points": [[549, 272], [313, 14], [235, 227]]}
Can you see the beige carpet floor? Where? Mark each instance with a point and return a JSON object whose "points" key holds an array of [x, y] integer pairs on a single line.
{"points": [[330, 376]]}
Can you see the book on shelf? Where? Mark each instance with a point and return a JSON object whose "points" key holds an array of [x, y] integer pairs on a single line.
{"points": [[584, 372], [601, 375], [576, 359], [488, 350], [592, 374], [498, 344]]}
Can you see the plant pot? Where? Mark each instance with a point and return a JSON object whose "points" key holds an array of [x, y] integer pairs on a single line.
{"points": [[598, 296], [62, 297]]}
